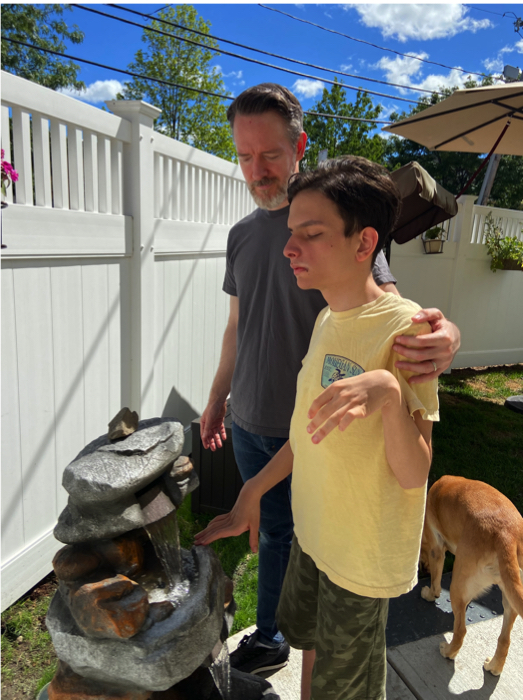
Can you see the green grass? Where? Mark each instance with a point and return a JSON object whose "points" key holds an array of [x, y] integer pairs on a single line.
{"points": [[477, 438], [27, 652]]}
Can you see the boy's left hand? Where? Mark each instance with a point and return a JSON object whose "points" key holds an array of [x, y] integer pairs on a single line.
{"points": [[433, 352], [348, 399]]}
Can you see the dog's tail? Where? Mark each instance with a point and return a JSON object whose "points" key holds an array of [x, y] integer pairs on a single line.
{"points": [[510, 575]]}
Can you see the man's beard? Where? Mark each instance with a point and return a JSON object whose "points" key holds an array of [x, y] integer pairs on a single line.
{"points": [[266, 201]]}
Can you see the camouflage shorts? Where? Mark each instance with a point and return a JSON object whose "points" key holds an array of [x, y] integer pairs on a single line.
{"points": [[346, 630]]}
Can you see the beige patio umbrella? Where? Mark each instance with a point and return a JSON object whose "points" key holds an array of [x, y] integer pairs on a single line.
{"points": [[470, 121]]}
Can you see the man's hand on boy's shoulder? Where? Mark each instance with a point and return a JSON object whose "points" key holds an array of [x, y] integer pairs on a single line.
{"points": [[432, 353], [349, 399]]}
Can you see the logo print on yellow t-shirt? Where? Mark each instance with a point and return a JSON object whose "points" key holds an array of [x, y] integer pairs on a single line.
{"points": [[336, 367]]}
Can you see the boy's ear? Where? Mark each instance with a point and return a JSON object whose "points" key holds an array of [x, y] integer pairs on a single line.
{"points": [[368, 242]]}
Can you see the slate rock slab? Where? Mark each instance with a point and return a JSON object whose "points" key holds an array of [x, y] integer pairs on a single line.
{"points": [[102, 480]]}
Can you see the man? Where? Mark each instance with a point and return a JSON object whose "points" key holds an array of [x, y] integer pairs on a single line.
{"points": [[267, 336]]}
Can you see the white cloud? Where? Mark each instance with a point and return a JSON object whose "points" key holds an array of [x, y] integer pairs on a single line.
{"points": [[96, 92], [234, 74], [308, 88], [494, 65], [404, 71], [401, 69], [497, 63], [454, 78], [420, 22]]}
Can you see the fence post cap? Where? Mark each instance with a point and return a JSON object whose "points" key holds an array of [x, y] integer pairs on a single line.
{"points": [[125, 108]]}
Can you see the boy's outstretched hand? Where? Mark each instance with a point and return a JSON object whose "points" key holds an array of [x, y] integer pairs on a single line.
{"points": [[348, 399], [432, 353], [244, 516]]}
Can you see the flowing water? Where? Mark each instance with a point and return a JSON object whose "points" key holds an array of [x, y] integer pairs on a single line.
{"points": [[165, 537], [221, 672]]}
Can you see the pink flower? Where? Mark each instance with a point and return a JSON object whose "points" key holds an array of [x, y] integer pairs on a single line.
{"points": [[9, 174]]}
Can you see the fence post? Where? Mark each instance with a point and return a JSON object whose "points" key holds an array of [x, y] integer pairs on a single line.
{"points": [[462, 237], [138, 188]]}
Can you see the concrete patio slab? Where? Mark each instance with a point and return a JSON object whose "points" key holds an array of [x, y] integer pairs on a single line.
{"points": [[431, 677], [286, 681]]}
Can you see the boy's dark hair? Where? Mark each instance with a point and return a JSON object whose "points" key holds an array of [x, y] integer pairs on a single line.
{"points": [[270, 97], [363, 191]]}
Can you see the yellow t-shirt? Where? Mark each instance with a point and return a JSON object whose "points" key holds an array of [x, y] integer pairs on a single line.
{"points": [[350, 513]]}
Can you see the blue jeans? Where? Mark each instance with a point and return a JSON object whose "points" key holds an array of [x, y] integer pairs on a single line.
{"points": [[252, 453]]}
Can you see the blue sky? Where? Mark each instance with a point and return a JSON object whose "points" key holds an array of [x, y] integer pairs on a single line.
{"points": [[476, 38]]}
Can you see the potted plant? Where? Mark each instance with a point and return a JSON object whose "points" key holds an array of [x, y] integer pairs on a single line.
{"points": [[433, 240], [506, 252]]}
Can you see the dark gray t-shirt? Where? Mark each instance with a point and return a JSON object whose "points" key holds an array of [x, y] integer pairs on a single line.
{"points": [[275, 322]]}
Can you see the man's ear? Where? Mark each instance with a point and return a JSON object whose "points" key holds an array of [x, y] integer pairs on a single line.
{"points": [[368, 241], [300, 147]]}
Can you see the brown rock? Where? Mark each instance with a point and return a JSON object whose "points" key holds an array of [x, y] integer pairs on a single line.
{"points": [[113, 608], [73, 562], [68, 685], [124, 423], [181, 467], [160, 611], [123, 554]]}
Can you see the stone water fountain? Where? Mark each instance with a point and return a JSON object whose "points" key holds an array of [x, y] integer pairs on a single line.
{"points": [[136, 617]]}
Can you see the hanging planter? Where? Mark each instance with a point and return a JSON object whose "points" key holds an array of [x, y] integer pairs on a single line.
{"points": [[433, 240], [508, 264]]}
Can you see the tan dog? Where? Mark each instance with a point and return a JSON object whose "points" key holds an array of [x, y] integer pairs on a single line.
{"points": [[485, 532]]}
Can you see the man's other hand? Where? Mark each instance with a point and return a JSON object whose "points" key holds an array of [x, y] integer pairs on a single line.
{"points": [[212, 429], [433, 352]]}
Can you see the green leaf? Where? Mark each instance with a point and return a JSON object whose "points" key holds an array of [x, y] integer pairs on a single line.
{"points": [[41, 25], [195, 119], [338, 136]]}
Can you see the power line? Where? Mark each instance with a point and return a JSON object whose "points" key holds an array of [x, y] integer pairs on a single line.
{"points": [[482, 9], [353, 119], [245, 58], [177, 85], [118, 70], [362, 41], [266, 53]]}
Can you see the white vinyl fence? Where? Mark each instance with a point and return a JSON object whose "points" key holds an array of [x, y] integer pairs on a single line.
{"points": [[111, 292], [486, 306]]}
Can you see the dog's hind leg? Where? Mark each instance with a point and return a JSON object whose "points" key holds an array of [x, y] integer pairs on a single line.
{"points": [[495, 665], [462, 591], [436, 558]]}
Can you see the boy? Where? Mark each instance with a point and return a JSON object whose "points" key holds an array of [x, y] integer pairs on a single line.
{"points": [[358, 494]]}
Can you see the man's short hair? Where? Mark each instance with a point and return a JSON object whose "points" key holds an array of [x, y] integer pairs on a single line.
{"points": [[363, 191], [270, 97]]}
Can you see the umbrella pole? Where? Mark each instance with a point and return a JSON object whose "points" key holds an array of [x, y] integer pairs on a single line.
{"points": [[471, 180]]}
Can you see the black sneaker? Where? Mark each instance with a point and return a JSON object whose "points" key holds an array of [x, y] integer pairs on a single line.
{"points": [[250, 658]]}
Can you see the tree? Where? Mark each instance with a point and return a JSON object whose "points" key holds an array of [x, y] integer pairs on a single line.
{"points": [[453, 169], [196, 119], [41, 25], [340, 136]]}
